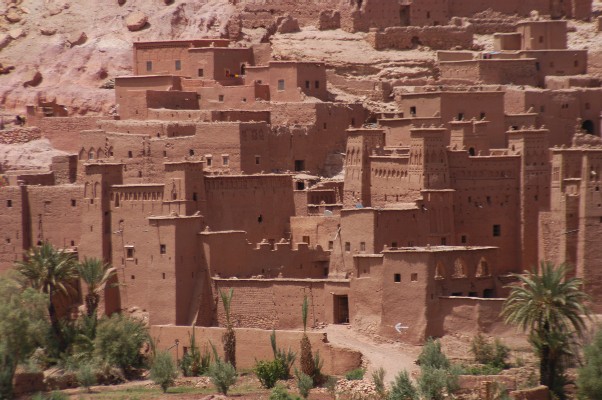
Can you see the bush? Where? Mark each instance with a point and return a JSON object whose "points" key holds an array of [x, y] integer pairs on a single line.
{"points": [[432, 356], [403, 388], [163, 371], [589, 383], [286, 358], [195, 363], [318, 376], [495, 354], [119, 340], [280, 393], [86, 376], [305, 383], [223, 375], [433, 383], [378, 377], [331, 386], [355, 374], [268, 372]]}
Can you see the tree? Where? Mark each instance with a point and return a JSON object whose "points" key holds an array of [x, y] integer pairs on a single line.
{"points": [[403, 388], [307, 359], [552, 308], [23, 327], [50, 271], [229, 337], [588, 381], [95, 275], [163, 371]]}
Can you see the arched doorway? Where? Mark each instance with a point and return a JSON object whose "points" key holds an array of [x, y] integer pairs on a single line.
{"points": [[588, 126]]}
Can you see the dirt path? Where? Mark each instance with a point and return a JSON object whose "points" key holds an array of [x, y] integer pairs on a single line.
{"points": [[393, 357]]}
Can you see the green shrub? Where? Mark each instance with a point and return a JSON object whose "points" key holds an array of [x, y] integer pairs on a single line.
{"points": [[331, 386], [403, 388], [280, 393], [378, 377], [163, 370], [589, 382], [268, 372], [119, 340], [355, 374], [51, 396], [495, 354], [318, 376], [286, 358], [195, 363], [86, 376], [432, 356], [223, 375], [305, 383], [433, 383]]}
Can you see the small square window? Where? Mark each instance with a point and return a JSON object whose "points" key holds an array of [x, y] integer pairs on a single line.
{"points": [[191, 152], [397, 278], [9, 203], [221, 97], [73, 243], [362, 246], [178, 65], [73, 202], [413, 111], [129, 252], [414, 277], [482, 115], [280, 84], [209, 160], [149, 66], [225, 160], [201, 72], [130, 155], [164, 153], [317, 84], [194, 196], [347, 246], [497, 230], [163, 275], [331, 243], [7, 240], [460, 116], [324, 125], [463, 239], [133, 277], [162, 249], [257, 160], [306, 239], [307, 85], [394, 244]]}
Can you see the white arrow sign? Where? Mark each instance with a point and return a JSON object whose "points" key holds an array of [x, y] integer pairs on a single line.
{"points": [[399, 327]]}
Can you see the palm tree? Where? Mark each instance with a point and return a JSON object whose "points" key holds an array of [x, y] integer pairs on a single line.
{"points": [[95, 274], [52, 272], [552, 308], [229, 338]]}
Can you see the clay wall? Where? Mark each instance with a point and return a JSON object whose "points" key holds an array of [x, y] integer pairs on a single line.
{"points": [[487, 189], [63, 132], [449, 105], [466, 8], [163, 55], [543, 35], [130, 92], [435, 37], [16, 135], [254, 344], [507, 41], [292, 81], [315, 230], [14, 232], [238, 202], [219, 63], [276, 303], [516, 72], [172, 100], [428, 12], [459, 314], [397, 130], [54, 215], [557, 62], [228, 254], [223, 97]]}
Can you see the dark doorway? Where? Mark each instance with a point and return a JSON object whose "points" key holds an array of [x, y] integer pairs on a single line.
{"points": [[488, 293], [588, 126], [341, 309], [299, 165], [404, 16]]}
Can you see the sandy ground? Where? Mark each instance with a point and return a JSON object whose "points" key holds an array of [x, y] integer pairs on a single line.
{"points": [[393, 357]]}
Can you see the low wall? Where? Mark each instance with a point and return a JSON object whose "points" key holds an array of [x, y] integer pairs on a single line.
{"points": [[435, 37], [537, 393], [469, 316], [254, 344], [63, 132], [19, 135], [28, 382]]}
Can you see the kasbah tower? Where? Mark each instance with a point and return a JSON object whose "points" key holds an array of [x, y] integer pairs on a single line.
{"points": [[404, 201]]}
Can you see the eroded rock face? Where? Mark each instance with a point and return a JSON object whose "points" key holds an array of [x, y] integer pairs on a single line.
{"points": [[136, 21], [288, 24], [33, 78]]}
